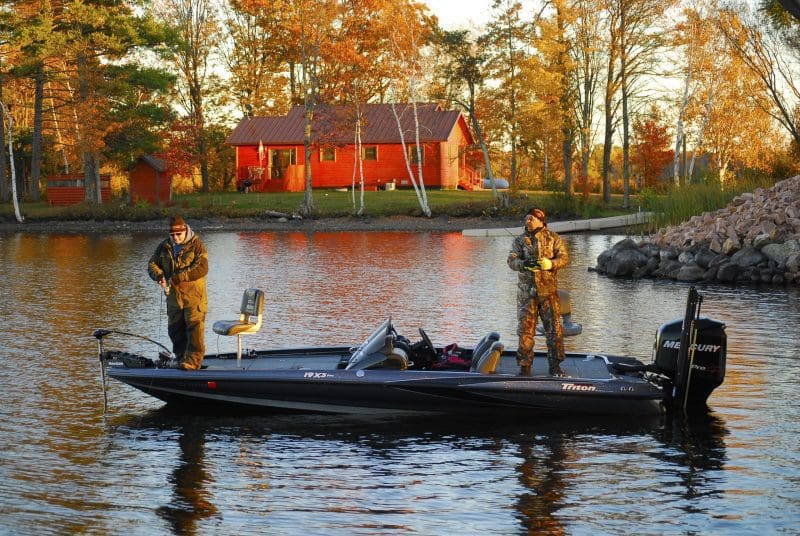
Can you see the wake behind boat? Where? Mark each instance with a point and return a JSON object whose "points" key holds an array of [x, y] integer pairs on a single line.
{"points": [[388, 373]]}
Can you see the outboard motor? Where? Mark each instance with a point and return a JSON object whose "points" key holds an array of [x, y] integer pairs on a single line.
{"points": [[691, 353]]}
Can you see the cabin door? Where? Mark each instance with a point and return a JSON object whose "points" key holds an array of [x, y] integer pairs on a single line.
{"points": [[280, 160]]}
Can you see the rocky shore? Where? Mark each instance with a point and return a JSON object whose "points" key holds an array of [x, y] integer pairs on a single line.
{"points": [[755, 239]]}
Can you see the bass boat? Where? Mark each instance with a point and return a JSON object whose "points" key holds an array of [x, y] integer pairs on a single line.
{"points": [[390, 374]]}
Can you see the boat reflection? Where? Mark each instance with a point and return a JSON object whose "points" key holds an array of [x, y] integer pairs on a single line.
{"points": [[549, 460]]}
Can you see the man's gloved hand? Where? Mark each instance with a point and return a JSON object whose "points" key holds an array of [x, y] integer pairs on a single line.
{"points": [[531, 265], [545, 264]]}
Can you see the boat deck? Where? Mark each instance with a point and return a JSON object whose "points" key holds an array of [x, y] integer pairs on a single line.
{"points": [[575, 365]]}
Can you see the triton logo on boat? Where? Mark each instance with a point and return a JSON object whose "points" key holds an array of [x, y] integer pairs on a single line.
{"points": [[577, 387], [317, 375], [676, 345]]}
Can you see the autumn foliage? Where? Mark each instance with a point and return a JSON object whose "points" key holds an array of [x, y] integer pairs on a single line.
{"points": [[651, 149]]}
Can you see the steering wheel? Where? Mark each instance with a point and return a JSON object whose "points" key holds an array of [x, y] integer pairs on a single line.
{"points": [[427, 344]]}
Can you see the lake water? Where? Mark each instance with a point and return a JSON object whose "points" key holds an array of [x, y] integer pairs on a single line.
{"points": [[66, 467]]}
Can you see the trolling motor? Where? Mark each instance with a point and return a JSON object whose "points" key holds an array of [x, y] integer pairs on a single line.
{"points": [[130, 360], [691, 353]]}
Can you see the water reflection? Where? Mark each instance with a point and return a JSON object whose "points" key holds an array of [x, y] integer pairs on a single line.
{"points": [[402, 470], [191, 500]]}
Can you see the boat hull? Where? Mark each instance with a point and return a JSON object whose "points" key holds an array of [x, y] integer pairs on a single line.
{"points": [[331, 390]]}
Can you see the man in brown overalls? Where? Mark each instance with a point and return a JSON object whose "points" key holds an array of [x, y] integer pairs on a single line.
{"points": [[180, 266], [537, 254]]}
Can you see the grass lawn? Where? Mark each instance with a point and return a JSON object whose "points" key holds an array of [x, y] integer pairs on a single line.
{"points": [[331, 203]]}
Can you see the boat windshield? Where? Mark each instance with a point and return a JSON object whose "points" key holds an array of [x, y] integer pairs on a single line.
{"points": [[375, 342]]}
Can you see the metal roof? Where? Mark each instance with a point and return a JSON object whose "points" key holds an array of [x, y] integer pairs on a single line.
{"points": [[335, 125]]}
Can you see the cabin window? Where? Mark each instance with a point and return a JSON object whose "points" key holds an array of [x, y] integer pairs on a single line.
{"points": [[369, 153], [327, 154], [416, 157]]}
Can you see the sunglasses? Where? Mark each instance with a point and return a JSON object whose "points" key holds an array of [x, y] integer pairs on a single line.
{"points": [[176, 233]]}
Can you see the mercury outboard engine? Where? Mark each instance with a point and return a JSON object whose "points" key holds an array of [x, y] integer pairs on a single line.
{"points": [[691, 353]]}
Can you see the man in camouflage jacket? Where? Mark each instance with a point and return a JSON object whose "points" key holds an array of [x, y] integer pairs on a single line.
{"points": [[180, 265], [537, 254]]}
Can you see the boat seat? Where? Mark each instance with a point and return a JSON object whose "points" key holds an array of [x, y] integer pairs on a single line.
{"points": [[250, 317], [487, 360], [484, 344]]}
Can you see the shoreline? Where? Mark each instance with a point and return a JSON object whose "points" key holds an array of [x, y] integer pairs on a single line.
{"points": [[390, 223]]}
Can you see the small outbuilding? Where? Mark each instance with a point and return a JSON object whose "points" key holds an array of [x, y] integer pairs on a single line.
{"points": [[151, 181], [70, 189]]}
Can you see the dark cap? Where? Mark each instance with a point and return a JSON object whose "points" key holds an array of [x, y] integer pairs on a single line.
{"points": [[176, 223], [539, 213]]}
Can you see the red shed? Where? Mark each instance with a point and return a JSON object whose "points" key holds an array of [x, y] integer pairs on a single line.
{"points": [[69, 189], [270, 154], [151, 181]]}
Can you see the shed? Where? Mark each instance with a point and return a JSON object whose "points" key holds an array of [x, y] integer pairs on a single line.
{"points": [[70, 190], [151, 181]]}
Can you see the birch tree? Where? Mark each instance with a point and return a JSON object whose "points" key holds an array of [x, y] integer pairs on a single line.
{"points": [[6, 114]]}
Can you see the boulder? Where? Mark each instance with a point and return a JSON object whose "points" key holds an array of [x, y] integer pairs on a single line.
{"points": [[748, 256], [727, 272], [780, 252], [625, 262], [690, 272], [704, 257]]}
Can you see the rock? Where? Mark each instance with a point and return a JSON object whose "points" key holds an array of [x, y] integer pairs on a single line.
{"points": [[780, 252], [704, 257], [731, 244], [793, 263], [668, 253], [626, 243], [625, 262], [669, 268], [749, 256], [762, 240], [686, 257], [710, 274], [602, 260], [690, 272], [727, 272]]}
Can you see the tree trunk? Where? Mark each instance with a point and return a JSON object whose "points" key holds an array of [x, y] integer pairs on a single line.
{"points": [[609, 131], [626, 146], [307, 208], [4, 189], [700, 134], [91, 174], [3, 114], [676, 174], [36, 142]]}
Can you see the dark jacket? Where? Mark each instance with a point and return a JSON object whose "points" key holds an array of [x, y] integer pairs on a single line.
{"points": [[542, 243], [185, 272]]}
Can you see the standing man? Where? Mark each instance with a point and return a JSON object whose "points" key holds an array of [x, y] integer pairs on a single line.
{"points": [[537, 254], [180, 265]]}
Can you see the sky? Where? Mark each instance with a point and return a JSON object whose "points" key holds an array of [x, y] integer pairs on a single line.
{"points": [[459, 14]]}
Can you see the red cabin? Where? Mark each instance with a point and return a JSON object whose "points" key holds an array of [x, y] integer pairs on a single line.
{"points": [[270, 152], [151, 181]]}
